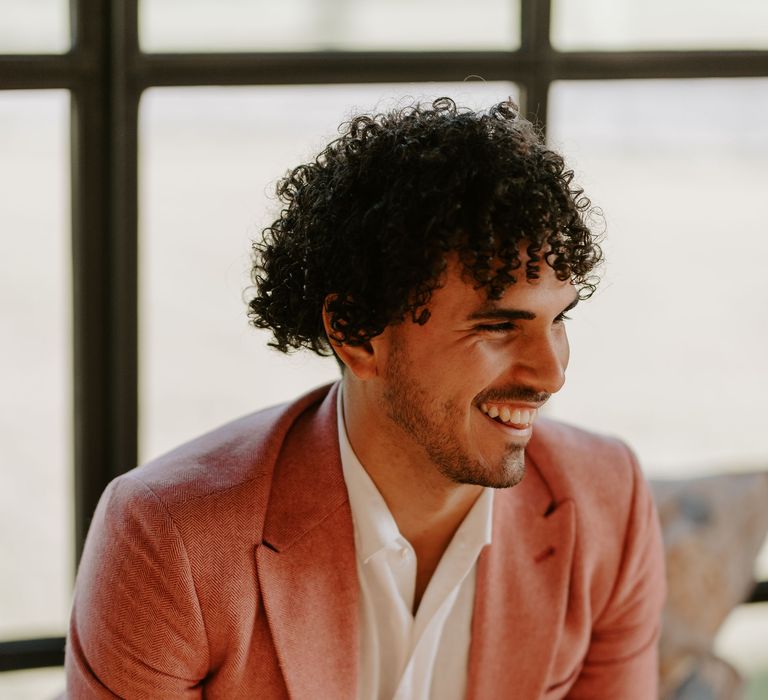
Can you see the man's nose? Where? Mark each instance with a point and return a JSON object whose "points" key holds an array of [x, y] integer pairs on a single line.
{"points": [[542, 361]]}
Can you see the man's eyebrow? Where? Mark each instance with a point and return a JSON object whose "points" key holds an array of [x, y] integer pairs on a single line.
{"points": [[491, 313]]}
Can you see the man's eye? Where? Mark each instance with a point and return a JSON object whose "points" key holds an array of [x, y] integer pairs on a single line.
{"points": [[496, 327], [562, 317]]}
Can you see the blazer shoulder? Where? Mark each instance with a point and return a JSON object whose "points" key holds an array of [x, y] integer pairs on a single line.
{"points": [[232, 457], [580, 464], [618, 537]]}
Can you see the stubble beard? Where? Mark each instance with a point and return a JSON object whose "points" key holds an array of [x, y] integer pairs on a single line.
{"points": [[406, 403]]}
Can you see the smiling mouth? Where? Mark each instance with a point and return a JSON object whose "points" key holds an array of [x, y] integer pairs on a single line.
{"points": [[511, 416]]}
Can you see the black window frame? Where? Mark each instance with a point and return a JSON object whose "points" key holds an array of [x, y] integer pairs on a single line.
{"points": [[106, 73]]}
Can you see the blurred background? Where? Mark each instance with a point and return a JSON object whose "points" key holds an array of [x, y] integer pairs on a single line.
{"points": [[140, 143]]}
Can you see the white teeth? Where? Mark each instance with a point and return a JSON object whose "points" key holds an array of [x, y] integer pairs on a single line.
{"points": [[515, 416]]}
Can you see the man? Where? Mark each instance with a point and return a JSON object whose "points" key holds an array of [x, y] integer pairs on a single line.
{"points": [[415, 530]]}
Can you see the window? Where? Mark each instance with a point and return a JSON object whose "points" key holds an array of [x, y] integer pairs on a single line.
{"points": [[93, 356], [209, 160]]}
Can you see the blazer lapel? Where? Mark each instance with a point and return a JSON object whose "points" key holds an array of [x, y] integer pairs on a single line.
{"points": [[522, 591], [306, 562]]}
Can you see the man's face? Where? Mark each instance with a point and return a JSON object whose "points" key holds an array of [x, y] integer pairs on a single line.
{"points": [[466, 386]]}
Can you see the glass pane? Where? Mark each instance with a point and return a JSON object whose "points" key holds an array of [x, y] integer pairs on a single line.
{"points": [[38, 684], [671, 351], [659, 24], [34, 26], [210, 158], [36, 528], [265, 25]]}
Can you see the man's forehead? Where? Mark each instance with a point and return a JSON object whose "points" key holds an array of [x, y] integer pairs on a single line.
{"points": [[461, 298], [518, 281], [524, 309]]}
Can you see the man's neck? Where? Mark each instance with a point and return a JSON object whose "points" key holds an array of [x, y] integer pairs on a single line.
{"points": [[427, 507], [428, 524]]}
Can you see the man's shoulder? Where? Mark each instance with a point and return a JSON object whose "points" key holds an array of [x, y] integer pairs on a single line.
{"points": [[233, 458], [558, 437], [616, 525], [585, 466]]}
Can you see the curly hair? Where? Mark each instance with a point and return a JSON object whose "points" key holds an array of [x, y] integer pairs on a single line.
{"points": [[366, 228]]}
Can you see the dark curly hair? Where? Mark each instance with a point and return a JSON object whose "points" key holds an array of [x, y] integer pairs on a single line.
{"points": [[366, 228]]}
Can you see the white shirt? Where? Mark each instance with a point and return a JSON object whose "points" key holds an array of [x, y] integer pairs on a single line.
{"points": [[403, 657]]}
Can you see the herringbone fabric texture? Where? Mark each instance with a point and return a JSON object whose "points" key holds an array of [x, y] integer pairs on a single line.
{"points": [[226, 570]]}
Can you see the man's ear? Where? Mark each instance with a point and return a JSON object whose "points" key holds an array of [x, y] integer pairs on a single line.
{"points": [[361, 360]]}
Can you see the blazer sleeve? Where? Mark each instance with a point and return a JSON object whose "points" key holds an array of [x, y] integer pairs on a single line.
{"points": [[136, 629], [622, 661]]}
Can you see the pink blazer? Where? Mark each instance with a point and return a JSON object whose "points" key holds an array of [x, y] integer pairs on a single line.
{"points": [[226, 569]]}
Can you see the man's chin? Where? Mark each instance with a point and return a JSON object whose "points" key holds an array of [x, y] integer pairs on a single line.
{"points": [[511, 477], [507, 474]]}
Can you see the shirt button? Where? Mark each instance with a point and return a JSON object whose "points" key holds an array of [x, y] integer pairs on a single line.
{"points": [[404, 554]]}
